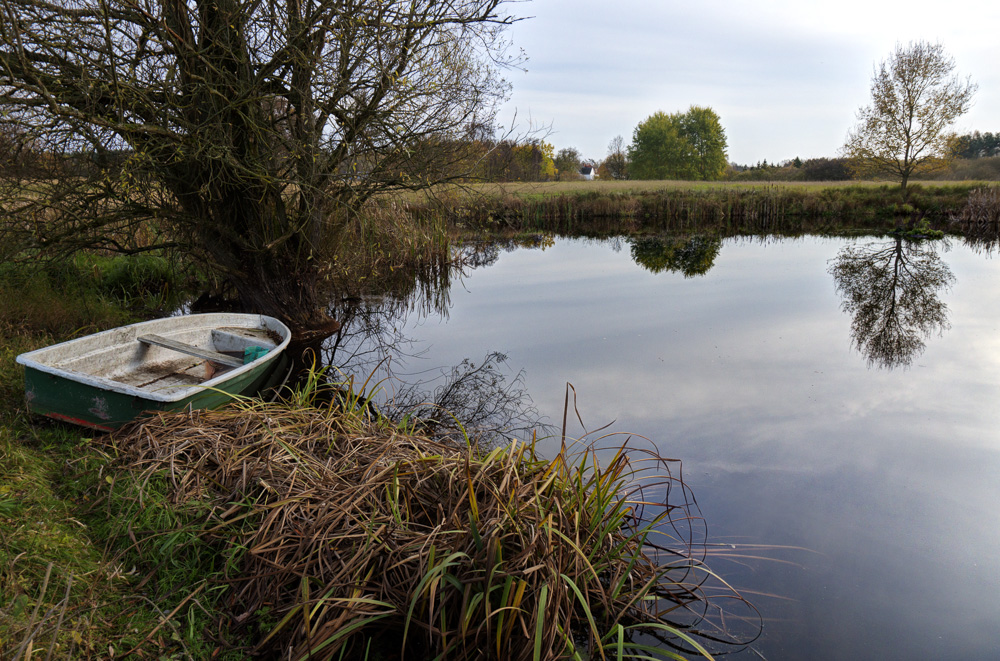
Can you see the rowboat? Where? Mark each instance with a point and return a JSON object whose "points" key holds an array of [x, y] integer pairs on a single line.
{"points": [[110, 378]]}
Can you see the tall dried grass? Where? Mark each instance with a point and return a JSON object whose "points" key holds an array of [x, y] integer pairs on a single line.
{"points": [[979, 219], [383, 242], [338, 536]]}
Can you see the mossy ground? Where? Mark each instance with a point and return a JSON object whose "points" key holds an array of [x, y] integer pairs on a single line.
{"points": [[58, 587]]}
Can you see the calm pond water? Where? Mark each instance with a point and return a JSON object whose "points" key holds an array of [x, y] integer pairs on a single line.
{"points": [[811, 409]]}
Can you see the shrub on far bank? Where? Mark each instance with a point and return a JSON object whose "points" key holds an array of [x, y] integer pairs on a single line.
{"points": [[836, 169], [814, 169], [968, 169]]}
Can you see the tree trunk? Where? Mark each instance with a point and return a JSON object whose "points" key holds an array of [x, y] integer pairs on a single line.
{"points": [[255, 237], [288, 291]]}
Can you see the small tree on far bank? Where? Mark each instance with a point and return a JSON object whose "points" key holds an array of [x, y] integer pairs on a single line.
{"points": [[567, 162], [702, 128], [616, 162], [915, 98]]}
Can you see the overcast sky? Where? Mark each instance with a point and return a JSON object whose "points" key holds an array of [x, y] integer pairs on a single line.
{"points": [[785, 76]]}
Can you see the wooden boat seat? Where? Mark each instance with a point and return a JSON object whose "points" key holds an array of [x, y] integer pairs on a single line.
{"points": [[191, 350]]}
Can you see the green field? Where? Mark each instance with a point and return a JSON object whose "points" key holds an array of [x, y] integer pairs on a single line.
{"points": [[556, 188]]}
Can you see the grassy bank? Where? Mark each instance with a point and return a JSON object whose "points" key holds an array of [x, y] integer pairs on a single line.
{"points": [[59, 589], [725, 208], [318, 532]]}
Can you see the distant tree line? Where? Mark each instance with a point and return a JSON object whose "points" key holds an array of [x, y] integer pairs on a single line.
{"points": [[977, 145], [19, 156], [22, 157], [510, 160], [533, 160], [476, 158], [813, 169]]}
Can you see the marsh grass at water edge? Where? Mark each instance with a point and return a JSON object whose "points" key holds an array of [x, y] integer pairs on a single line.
{"points": [[609, 208], [321, 531]]}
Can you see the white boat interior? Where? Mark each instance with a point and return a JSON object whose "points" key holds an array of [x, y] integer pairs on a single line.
{"points": [[164, 357]]}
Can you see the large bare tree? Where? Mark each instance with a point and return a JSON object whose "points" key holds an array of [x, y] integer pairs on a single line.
{"points": [[243, 131], [915, 99]]}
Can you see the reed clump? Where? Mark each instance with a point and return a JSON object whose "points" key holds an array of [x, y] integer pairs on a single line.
{"points": [[338, 535], [979, 219], [382, 242]]}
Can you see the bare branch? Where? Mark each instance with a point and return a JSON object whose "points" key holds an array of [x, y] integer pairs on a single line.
{"points": [[245, 132]]}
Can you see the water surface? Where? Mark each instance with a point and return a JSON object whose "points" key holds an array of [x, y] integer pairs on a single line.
{"points": [[880, 457]]}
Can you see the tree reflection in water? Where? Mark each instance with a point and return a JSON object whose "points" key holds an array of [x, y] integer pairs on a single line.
{"points": [[891, 289], [478, 397], [691, 256]]}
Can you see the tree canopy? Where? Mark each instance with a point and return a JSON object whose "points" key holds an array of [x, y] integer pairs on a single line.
{"points": [[691, 256], [567, 163], [510, 160], [915, 98], [243, 133], [690, 145]]}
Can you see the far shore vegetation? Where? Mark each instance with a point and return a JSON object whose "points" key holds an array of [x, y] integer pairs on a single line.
{"points": [[720, 208]]}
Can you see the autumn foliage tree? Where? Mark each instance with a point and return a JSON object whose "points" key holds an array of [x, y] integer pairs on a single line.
{"points": [[243, 133], [511, 160], [915, 98]]}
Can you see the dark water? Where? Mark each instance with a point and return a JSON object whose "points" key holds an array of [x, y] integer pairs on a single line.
{"points": [[839, 396]]}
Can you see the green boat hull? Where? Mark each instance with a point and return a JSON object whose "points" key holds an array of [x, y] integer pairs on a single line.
{"points": [[108, 379], [90, 406]]}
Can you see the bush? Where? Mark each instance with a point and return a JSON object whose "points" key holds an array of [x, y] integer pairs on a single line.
{"points": [[139, 276], [966, 169], [57, 299]]}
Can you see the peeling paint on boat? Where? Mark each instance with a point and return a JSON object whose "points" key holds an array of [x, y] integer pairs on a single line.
{"points": [[100, 408]]}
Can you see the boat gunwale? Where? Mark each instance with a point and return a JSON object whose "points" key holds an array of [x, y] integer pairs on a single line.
{"points": [[263, 322]]}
